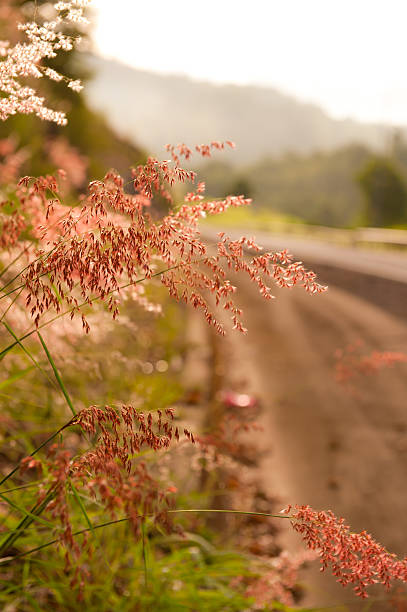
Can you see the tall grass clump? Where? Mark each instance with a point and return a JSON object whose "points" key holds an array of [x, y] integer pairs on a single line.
{"points": [[92, 448]]}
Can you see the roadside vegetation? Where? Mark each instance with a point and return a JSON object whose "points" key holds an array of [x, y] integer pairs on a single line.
{"points": [[122, 487], [345, 188]]}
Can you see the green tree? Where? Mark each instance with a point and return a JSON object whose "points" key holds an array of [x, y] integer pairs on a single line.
{"points": [[242, 186], [385, 192], [399, 149]]}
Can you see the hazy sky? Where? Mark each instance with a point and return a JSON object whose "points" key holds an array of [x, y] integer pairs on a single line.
{"points": [[348, 56]]}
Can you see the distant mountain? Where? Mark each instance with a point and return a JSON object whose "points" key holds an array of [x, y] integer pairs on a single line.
{"points": [[154, 109]]}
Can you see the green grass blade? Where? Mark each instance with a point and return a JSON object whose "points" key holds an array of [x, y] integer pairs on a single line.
{"points": [[100, 526], [25, 486], [52, 436], [13, 261], [82, 507], [12, 302], [17, 376], [13, 344], [27, 521], [144, 551], [27, 352], [51, 542], [32, 601], [24, 512], [226, 511], [57, 376]]}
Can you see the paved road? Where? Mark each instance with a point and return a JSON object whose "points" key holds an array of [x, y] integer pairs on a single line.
{"points": [[322, 444], [390, 265]]}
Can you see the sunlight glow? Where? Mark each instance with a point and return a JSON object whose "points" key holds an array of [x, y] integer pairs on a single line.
{"points": [[344, 55]]}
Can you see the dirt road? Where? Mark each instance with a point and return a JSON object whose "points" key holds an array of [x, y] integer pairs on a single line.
{"points": [[321, 444]]}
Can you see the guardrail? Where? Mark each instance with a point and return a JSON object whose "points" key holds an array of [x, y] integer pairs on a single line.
{"points": [[381, 236], [349, 237]]}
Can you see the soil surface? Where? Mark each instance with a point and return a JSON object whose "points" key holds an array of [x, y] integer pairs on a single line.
{"points": [[324, 444]]}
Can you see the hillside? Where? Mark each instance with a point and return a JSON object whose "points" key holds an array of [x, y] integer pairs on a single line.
{"points": [[319, 188], [153, 109]]}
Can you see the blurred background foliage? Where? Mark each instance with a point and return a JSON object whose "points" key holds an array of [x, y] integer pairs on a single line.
{"points": [[385, 192], [339, 174], [345, 187], [291, 157], [141, 357]]}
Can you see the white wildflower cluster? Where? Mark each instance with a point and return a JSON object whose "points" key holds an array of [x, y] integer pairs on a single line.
{"points": [[24, 60]]}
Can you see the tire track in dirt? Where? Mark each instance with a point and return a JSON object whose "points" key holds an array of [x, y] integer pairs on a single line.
{"points": [[322, 445]]}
